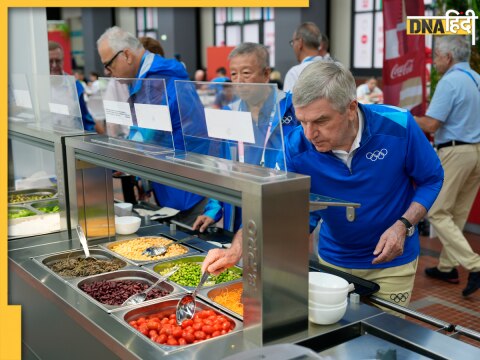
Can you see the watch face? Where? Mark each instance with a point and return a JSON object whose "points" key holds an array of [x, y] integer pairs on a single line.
{"points": [[410, 231]]}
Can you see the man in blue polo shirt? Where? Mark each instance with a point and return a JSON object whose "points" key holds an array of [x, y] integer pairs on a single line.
{"points": [[453, 115], [123, 56], [374, 155]]}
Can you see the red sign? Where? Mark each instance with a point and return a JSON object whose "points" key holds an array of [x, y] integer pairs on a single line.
{"points": [[404, 57]]}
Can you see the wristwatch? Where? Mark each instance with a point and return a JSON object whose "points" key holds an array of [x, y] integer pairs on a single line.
{"points": [[408, 225]]}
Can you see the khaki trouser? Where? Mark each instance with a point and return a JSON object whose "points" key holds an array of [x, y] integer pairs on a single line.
{"points": [[449, 213], [396, 283]]}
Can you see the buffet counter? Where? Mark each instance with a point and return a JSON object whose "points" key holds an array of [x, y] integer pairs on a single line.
{"points": [[59, 321]]}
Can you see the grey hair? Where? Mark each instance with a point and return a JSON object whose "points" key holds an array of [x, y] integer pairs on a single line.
{"points": [[458, 45], [310, 35], [325, 80], [259, 50], [119, 39]]}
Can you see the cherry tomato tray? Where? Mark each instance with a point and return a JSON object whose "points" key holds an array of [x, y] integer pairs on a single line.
{"points": [[122, 275], [164, 308]]}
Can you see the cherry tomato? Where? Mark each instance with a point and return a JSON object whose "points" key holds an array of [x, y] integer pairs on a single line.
{"points": [[140, 320], [172, 341], [177, 332], [143, 329], [197, 326], [226, 325], [208, 329], [182, 341], [199, 335], [153, 325], [216, 333], [187, 323], [152, 333], [189, 337], [161, 339], [133, 323], [172, 316]]}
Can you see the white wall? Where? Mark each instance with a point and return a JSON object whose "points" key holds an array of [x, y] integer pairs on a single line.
{"points": [[125, 18], [206, 32], [340, 30]]}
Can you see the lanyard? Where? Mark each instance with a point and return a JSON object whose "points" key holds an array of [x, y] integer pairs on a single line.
{"points": [[241, 148], [470, 75]]}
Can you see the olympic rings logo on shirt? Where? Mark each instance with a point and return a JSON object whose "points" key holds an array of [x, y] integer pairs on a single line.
{"points": [[400, 297], [287, 119], [377, 155]]}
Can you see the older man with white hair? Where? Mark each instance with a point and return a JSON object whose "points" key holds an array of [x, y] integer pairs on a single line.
{"points": [[123, 56]]}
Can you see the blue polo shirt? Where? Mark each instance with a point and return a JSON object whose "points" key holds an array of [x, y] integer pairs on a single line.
{"points": [[456, 103]]}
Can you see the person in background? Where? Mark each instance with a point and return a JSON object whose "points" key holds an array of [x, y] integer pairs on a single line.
{"points": [[178, 57], [200, 75], [370, 93], [123, 56], [249, 63], [94, 84], [375, 155], [56, 58], [307, 46], [220, 75], [80, 77], [324, 47], [276, 78], [152, 45], [453, 115]]}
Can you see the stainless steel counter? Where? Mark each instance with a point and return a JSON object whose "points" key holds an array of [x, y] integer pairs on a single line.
{"points": [[58, 322]]}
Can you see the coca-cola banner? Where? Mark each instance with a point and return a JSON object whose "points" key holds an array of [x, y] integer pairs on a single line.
{"points": [[404, 57]]}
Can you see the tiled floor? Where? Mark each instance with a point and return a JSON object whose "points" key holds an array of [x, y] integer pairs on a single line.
{"points": [[442, 300]]}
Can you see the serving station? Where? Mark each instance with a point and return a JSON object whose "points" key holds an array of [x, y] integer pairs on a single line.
{"points": [[59, 318]]}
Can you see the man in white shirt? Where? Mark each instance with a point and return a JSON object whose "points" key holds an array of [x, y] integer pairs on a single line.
{"points": [[309, 45]]}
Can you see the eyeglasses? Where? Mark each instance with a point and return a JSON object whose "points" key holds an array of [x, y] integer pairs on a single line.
{"points": [[292, 41], [109, 63]]}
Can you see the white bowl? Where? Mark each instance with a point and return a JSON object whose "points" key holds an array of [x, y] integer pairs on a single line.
{"points": [[326, 316], [315, 305], [319, 281], [126, 225], [331, 297]]}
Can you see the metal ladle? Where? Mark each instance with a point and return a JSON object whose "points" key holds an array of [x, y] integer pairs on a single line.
{"points": [[160, 250], [186, 305], [83, 241], [141, 296]]}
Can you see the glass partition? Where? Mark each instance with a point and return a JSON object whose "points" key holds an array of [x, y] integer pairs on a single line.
{"points": [[57, 100], [20, 105], [137, 115], [238, 126]]}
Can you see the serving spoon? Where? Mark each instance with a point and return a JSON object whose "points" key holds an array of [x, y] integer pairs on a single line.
{"points": [[160, 250], [187, 304], [141, 296]]}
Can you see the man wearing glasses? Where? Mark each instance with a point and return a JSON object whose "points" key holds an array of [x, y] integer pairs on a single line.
{"points": [[56, 56], [309, 45], [123, 56]]}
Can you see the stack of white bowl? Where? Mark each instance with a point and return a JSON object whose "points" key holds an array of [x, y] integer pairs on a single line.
{"points": [[327, 297]]}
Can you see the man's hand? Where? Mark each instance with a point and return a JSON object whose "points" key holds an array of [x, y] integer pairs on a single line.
{"points": [[390, 244], [202, 222], [218, 260]]}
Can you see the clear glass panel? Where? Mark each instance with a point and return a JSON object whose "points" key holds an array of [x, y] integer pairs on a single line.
{"points": [[34, 206], [220, 35], [239, 123], [137, 114], [57, 100], [362, 57], [20, 105], [220, 15], [234, 35], [251, 33]]}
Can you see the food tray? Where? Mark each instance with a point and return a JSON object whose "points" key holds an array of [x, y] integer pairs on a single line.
{"points": [[157, 267], [168, 306], [34, 207], [95, 252], [131, 274], [47, 193], [108, 246], [209, 293]]}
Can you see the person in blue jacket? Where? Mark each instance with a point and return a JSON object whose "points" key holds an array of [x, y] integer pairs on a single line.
{"points": [[249, 63], [123, 56], [56, 59], [375, 155]]}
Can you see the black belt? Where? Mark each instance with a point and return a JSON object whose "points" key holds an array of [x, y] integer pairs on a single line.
{"points": [[451, 143]]}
